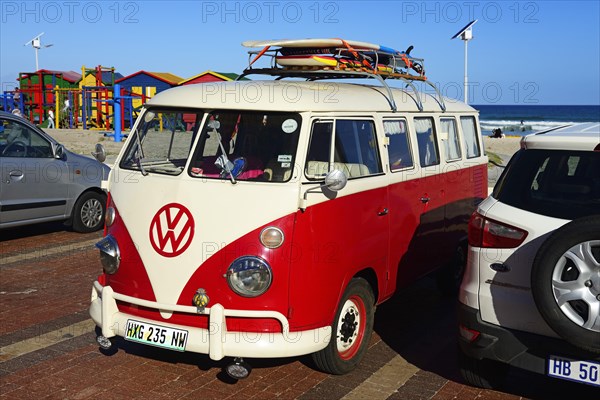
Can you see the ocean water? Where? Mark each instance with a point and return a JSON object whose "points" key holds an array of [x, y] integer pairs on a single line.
{"points": [[534, 117]]}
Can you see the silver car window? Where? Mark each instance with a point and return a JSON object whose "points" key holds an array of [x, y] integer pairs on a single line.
{"points": [[19, 140]]}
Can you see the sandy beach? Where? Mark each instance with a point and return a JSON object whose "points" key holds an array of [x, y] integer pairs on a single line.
{"points": [[83, 142], [503, 148]]}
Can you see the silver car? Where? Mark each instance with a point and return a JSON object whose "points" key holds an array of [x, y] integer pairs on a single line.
{"points": [[41, 181]]}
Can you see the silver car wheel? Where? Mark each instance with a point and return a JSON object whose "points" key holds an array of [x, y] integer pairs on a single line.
{"points": [[575, 282], [91, 213]]}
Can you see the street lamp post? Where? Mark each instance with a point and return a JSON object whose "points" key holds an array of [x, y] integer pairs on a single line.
{"points": [[465, 35], [36, 43]]}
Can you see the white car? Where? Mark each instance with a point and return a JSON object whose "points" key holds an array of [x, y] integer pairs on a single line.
{"points": [[530, 296]]}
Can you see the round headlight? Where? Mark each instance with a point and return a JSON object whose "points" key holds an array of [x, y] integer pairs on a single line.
{"points": [[249, 276], [271, 237], [110, 216]]}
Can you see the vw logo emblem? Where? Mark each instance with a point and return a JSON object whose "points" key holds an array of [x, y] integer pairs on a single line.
{"points": [[172, 230]]}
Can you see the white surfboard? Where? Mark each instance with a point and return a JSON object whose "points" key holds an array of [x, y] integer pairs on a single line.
{"points": [[312, 43]]}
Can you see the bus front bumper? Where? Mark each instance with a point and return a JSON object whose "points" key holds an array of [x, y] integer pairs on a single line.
{"points": [[216, 341]]}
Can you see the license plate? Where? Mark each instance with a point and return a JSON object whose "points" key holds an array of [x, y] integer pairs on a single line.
{"points": [[156, 335], [574, 370]]}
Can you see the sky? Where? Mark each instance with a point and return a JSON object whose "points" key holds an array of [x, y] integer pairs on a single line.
{"points": [[523, 52]]}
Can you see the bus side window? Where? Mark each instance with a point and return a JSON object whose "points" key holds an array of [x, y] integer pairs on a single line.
{"points": [[470, 137], [319, 150], [451, 144], [427, 141], [399, 147], [355, 153], [356, 149]]}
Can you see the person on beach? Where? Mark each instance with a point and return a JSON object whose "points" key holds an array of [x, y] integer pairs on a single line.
{"points": [[497, 133], [523, 127], [17, 97], [50, 119]]}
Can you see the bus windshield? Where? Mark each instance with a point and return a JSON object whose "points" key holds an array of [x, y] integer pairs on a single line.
{"points": [[247, 146], [163, 141]]}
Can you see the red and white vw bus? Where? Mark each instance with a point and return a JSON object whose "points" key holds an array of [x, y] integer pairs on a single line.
{"points": [[269, 218]]}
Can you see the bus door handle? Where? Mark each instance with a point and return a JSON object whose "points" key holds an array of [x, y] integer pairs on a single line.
{"points": [[383, 212], [425, 200]]}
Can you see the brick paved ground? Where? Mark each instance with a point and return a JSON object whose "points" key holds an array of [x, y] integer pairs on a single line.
{"points": [[48, 351]]}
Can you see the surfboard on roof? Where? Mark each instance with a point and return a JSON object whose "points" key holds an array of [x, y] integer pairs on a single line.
{"points": [[337, 58], [325, 61], [335, 53], [313, 43]]}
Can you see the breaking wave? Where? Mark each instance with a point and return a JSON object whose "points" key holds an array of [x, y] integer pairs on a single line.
{"points": [[515, 127]]}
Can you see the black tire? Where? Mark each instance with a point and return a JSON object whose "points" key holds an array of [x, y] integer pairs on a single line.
{"points": [[567, 294], [351, 335], [88, 212], [449, 278], [485, 374]]}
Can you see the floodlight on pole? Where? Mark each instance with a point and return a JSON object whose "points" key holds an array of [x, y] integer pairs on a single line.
{"points": [[466, 34], [36, 43]]}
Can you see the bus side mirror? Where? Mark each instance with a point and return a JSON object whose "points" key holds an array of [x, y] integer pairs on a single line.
{"points": [[335, 180]]}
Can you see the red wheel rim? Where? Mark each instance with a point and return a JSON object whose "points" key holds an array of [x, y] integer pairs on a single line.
{"points": [[351, 327]]}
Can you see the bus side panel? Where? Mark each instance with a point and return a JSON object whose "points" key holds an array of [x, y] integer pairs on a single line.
{"points": [[466, 189], [334, 240], [424, 236], [417, 227], [405, 214]]}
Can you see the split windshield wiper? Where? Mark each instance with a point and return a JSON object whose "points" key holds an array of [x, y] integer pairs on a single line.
{"points": [[222, 161], [140, 152]]}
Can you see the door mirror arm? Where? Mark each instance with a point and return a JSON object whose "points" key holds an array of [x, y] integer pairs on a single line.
{"points": [[335, 181]]}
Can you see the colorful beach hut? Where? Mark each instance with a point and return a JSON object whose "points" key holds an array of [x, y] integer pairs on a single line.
{"points": [[210, 76], [38, 91], [144, 84], [205, 77]]}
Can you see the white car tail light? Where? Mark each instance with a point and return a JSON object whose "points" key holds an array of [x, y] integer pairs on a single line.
{"points": [[484, 232]]}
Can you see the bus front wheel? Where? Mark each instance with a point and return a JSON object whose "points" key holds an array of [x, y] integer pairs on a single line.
{"points": [[351, 331]]}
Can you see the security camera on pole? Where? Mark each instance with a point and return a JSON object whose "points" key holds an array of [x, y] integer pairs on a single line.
{"points": [[466, 34]]}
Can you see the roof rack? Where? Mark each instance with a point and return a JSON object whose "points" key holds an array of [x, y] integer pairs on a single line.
{"points": [[392, 70]]}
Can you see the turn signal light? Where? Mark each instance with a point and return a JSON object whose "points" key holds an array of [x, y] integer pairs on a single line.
{"points": [[271, 237], [110, 216]]}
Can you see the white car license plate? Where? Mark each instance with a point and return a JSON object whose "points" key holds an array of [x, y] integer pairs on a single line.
{"points": [[155, 335], [574, 370]]}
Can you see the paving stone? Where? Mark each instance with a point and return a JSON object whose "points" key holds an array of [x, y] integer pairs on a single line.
{"points": [[416, 325]]}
